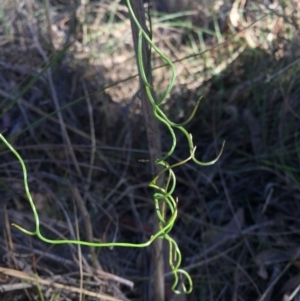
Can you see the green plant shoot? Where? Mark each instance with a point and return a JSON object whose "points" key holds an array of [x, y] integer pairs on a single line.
{"points": [[164, 194]]}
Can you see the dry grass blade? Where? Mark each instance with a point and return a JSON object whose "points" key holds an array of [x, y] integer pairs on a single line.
{"points": [[108, 276], [14, 287], [51, 283]]}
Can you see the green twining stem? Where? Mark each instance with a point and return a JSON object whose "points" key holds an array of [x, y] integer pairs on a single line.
{"points": [[156, 110], [38, 233], [162, 195]]}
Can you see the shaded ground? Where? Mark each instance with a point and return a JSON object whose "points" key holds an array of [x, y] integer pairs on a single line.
{"points": [[238, 225]]}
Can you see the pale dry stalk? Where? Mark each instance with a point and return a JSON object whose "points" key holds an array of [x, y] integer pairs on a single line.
{"points": [[154, 143]]}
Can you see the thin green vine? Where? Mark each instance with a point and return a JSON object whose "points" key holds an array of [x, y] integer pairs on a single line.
{"points": [[162, 193]]}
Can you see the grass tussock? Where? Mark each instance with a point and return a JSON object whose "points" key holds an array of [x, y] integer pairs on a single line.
{"points": [[79, 128]]}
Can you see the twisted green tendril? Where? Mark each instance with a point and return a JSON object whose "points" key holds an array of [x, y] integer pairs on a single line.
{"points": [[165, 225], [163, 193]]}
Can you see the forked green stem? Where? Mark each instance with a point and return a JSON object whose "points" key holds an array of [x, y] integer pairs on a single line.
{"points": [[162, 193], [166, 227], [38, 233]]}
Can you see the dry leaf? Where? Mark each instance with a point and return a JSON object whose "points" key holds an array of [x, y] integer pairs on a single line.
{"points": [[228, 231], [268, 257], [291, 284]]}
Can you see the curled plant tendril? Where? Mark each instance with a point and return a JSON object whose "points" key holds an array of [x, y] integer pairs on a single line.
{"points": [[166, 228], [159, 114], [163, 195], [166, 225]]}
